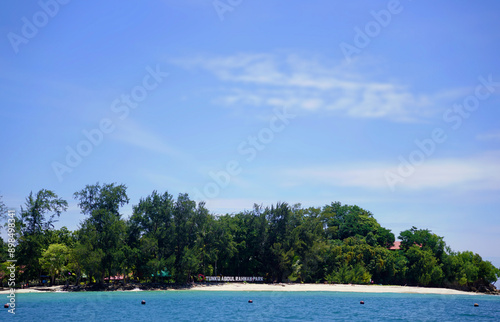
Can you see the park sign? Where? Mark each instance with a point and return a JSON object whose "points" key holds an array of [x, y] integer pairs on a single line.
{"points": [[234, 279]]}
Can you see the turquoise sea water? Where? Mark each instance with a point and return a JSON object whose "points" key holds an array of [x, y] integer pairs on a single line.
{"points": [[234, 306]]}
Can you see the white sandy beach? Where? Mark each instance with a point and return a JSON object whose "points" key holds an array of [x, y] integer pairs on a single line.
{"points": [[292, 288], [34, 290], [327, 288]]}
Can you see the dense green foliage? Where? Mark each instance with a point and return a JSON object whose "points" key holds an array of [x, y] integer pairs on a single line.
{"points": [[175, 240]]}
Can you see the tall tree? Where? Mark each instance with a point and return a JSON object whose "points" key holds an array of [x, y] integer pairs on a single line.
{"points": [[279, 253], [184, 209], [190, 221], [151, 225], [96, 197], [34, 221], [104, 224]]}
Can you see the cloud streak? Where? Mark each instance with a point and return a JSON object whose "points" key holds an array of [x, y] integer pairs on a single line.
{"points": [[491, 136], [272, 80], [133, 134], [471, 174]]}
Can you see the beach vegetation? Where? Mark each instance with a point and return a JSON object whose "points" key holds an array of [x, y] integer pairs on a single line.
{"points": [[177, 240]]}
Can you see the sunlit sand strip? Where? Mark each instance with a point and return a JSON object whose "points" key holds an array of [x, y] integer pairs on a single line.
{"points": [[290, 288], [327, 288]]}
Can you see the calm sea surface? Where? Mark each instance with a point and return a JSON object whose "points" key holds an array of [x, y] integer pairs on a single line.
{"points": [[234, 306]]}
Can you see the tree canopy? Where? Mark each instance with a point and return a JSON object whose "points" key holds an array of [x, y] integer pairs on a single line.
{"points": [[169, 239]]}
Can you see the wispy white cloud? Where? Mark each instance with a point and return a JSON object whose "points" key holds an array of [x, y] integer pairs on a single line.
{"points": [[132, 133], [475, 173], [493, 136], [312, 85]]}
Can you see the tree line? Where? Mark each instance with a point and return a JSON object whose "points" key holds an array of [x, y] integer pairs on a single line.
{"points": [[174, 240]]}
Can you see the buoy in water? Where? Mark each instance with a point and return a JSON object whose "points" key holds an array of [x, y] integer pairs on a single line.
{"points": [[250, 301], [361, 302], [143, 302], [475, 304], [6, 306]]}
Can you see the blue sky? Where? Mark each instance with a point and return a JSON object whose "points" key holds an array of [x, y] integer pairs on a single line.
{"points": [[390, 105]]}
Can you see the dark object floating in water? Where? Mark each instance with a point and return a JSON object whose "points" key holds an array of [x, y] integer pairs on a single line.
{"points": [[250, 301], [143, 302], [6, 306], [475, 304], [362, 302]]}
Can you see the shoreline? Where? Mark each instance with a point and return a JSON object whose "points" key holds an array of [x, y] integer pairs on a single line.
{"points": [[249, 287], [350, 288]]}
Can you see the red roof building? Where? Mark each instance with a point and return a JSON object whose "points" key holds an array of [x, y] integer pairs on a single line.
{"points": [[395, 246]]}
